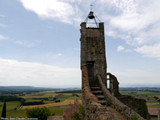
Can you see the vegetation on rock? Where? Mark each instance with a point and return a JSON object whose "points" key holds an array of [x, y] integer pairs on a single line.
{"points": [[108, 101], [74, 112]]}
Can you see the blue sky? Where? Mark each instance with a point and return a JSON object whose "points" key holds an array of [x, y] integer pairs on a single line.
{"points": [[40, 46]]}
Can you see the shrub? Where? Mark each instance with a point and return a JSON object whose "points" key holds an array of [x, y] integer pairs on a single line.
{"points": [[10, 98], [81, 110], [4, 110], [108, 101], [144, 111], [57, 101], [74, 112], [32, 103], [40, 113], [134, 117]]}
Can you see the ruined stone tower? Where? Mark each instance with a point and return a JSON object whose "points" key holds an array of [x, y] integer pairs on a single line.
{"points": [[93, 49], [100, 90]]}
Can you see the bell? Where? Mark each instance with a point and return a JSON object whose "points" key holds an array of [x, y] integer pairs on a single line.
{"points": [[91, 15]]}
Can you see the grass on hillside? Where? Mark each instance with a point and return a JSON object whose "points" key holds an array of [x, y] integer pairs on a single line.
{"points": [[47, 94], [13, 110]]}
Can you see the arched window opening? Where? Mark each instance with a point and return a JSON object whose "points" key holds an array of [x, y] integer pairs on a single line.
{"points": [[108, 77], [108, 84]]}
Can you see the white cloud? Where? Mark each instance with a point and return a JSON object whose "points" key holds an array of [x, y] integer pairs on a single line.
{"points": [[2, 15], [150, 50], [120, 48], [134, 16], [13, 72], [3, 25], [53, 9], [135, 21], [59, 54], [3, 37], [111, 33], [25, 43]]}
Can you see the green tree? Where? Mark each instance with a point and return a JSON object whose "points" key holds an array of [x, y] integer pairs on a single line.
{"points": [[4, 110], [40, 113]]}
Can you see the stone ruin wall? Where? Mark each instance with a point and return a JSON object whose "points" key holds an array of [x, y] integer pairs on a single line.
{"points": [[124, 106], [96, 111], [93, 109], [93, 50], [135, 103]]}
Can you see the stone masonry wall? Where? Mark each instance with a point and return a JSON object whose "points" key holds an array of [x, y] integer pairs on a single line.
{"points": [[93, 66], [137, 104], [96, 111], [117, 104], [93, 109], [93, 48]]}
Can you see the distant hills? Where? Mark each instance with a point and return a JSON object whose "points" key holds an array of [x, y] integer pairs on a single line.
{"points": [[24, 88], [32, 88], [5, 88]]}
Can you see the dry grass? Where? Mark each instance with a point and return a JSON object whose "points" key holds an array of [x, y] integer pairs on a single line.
{"points": [[158, 96], [66, 102]]}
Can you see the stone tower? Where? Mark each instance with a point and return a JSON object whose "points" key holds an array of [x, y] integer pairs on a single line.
{"points": [[99, 88], [93, 49]]}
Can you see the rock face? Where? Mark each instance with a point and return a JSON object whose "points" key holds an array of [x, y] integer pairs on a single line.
{"points": [[100, 90]]}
